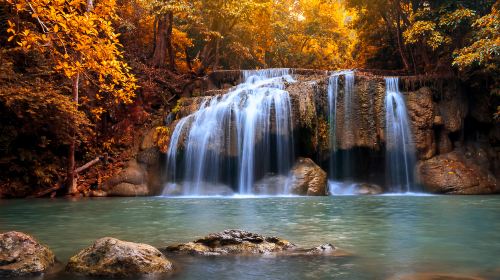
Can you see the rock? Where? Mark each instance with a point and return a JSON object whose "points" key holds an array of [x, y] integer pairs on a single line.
{"points": [[434, 276], [148, 139], [127, 189], [21, 254], [233, 242], [365, 188], [239, 242], [110, 257], [132, 174], [453, 108], [307, 178], [422, 114], [451, 173], [149, 157], [444, 144], [98, 193]]}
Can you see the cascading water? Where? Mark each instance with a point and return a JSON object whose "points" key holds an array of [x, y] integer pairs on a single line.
{"points": [[400, 151], [244, 134], [333, 85]]}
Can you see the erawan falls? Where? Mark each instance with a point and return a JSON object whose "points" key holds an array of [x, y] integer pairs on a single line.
{"points": [[243, 141], [282, 174]]}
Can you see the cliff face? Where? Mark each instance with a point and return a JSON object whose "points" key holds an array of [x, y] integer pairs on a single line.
{"points": [[456, 140]]}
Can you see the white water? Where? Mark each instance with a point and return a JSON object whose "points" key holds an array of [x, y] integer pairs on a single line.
{"points": [[400, 151], [244, 134], [333, 85]]}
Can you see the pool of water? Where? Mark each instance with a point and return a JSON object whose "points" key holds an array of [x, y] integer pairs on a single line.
{"points": [[387, 235]]}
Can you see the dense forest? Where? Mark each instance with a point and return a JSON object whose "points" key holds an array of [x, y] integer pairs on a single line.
{"points": [[80, 78]]}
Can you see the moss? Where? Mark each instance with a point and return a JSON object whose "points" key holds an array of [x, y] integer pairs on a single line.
{"points": [[178, 106]]}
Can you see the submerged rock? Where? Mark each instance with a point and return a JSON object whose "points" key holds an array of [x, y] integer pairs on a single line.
{"points": [[240, 242], [21, 254], [307, 178], [233, 242], [115, 258]]}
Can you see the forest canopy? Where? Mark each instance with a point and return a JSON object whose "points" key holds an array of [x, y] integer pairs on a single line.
{"points": [[80, 76]]}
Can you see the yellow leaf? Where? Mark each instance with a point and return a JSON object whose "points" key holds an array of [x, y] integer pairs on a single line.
{"points": [[10, 38]]}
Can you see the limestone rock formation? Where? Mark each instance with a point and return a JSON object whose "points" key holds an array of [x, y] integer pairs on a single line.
{"points": [[240, 242], [452, 173], [111, 257], [233, 242], [307, 178], [422, 113], [21, 254]]}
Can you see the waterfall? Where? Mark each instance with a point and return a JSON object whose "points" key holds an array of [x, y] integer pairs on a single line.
{"points": [[243, 134], [400, 151], [332, 115]]}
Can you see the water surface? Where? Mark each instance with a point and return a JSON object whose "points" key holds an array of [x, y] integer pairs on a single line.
{"points": [[388, 235]]}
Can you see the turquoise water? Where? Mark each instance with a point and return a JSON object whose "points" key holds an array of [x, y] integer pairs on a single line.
{"points": [[387, 235]]}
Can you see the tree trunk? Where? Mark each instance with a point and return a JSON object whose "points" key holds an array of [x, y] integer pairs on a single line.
{"points": [[188, 60], [217, 56], [398, 33], [170, 47], [71, 176], [160, 52]]}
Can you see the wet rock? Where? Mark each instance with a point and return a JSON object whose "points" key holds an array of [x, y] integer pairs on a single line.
{"points": [[367, 189], [115, 258], [233, 242], [239, 242], [21, 254], [307, 178], [452, 173]]}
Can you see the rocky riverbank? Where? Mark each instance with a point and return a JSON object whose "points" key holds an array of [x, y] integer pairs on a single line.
{"points": [[22, 255]]}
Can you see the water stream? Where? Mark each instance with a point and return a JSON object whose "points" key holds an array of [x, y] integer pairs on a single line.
{"points": [[400, 151], [234, 138]]}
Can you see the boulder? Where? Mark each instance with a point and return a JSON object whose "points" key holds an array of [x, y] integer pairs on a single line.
{"points": [[127, 189], [233, 242], [21, 254], [307, 178], [452, 173], [110, 257]]}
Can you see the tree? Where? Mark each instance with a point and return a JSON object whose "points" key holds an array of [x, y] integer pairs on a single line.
{"points": [[80, 39]]}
